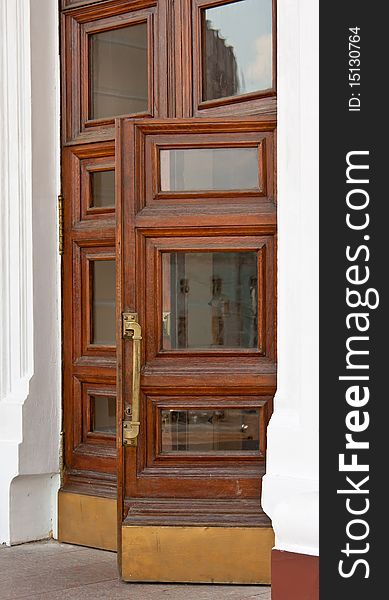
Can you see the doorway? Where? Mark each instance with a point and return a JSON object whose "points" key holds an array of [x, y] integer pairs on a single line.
{"points": [[169, 117]]}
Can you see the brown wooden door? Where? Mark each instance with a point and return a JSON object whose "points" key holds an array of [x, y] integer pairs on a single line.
{"points": [[196, 271], [168, 136]]}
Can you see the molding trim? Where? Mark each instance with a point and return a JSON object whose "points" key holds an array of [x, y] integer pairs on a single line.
{"points": [[16, 202], [16, 293], [29, 268]]}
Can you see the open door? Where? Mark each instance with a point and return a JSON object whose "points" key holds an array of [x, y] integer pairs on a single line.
{"points": [[196, 226]]}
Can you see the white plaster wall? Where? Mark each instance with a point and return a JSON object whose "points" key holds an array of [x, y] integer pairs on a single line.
{"points": [[29, 300], [290, 493], [30, 273]]}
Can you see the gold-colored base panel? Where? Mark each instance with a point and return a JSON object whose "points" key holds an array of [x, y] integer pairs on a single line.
{"points": [[197, 554], [87, 520]]}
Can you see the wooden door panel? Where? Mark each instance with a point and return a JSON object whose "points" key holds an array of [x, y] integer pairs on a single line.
{"points": [[106, 24], [171, 443], [149, 259], [86, 445], [233, 376], [87, 256], [229, 102], [97, 190], [198, 474], [151, 138], [89, 235]]}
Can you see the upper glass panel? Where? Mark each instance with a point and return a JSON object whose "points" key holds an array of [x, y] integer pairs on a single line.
{"points": [[201, 169], [118, 72], [103, 189], [237, 42], [210, 300], [103, 304]]}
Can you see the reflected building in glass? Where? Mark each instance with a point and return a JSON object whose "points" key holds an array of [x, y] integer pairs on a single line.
{"points": [[221, 78], [211, 299]]}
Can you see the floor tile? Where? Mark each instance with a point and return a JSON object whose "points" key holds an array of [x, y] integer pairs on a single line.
{"points": [[50, 570]]}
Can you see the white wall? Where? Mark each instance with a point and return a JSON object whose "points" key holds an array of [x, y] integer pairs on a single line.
{"points": [[29, 300], [290, 495], [30, 275]]}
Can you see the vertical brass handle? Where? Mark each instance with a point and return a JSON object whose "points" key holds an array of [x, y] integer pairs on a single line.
{"points": [[132, 330]]}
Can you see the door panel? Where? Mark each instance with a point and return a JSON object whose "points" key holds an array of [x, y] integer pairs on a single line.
{"points": [[204, 321], [234, 57], [119, 53], [167, 149], [204, 299]]}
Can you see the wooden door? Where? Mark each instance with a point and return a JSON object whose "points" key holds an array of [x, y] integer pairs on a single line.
{"points": [[168, 132], [196, 272]]}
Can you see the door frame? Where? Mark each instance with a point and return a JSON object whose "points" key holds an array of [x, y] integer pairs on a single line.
{"points": [[76, 138]]}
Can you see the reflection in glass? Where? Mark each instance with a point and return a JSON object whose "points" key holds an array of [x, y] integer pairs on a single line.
{"points": [[103, 303], [196, 169], [103, 409], [210, 300], [227, 429], [237, 41], [118, 71], [103, 189]]}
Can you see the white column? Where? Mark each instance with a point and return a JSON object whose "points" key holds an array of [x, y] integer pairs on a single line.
{"points": [[29, 296], [290, 494]]}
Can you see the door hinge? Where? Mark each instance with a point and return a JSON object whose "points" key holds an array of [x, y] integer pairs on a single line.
{"points": [[60, 224]]}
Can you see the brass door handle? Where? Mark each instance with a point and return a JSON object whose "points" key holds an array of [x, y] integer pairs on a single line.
{"points": [[132, 330]]}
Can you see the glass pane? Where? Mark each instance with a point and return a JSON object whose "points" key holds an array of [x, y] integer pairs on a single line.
{"points": [[196, 169], [118, 71], [103, 414], [238, 48], [104, 289], [210, 300], [228, 429], [103, 189]]}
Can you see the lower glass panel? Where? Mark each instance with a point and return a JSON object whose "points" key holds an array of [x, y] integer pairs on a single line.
{"points": [[103, 415], [221, 430], [210, 300]]}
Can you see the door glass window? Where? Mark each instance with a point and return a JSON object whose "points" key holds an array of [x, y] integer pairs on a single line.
{"points": [[202, 430], [237, 42], [199, 169], [118, 72], [103, 189], [103, 303], [210, 300], [103, 414]]}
